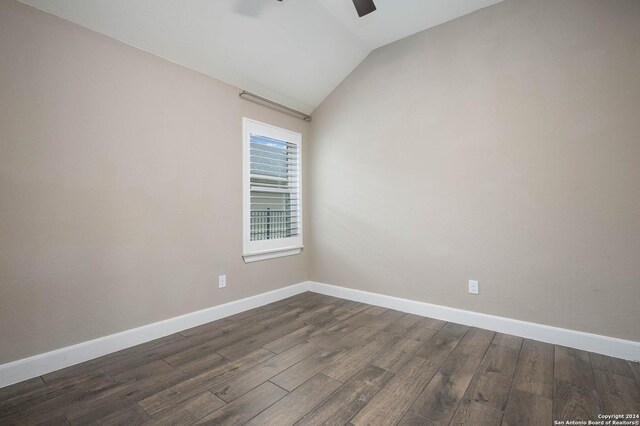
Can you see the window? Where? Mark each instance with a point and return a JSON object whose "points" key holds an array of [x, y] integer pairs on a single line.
{"points": [[272, 216]]}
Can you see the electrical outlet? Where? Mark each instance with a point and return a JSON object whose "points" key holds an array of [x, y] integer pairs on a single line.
{"points": [[222, 281], [473, 287]]}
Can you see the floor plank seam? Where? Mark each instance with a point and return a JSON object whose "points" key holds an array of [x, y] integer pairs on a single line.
{"points": [[513, 381], [472, 377], [142, 408], [553, 388], [323, 400], [422, 388], [635, 376], [107, 374], [284, 388], [267, 407], [596, 391]]}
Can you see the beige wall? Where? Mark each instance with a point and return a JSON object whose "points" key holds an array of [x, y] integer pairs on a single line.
{"points": [[504, 147], [120, 187]]}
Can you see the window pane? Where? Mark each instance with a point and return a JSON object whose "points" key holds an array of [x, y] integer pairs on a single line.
{"points": [[274, 176]]}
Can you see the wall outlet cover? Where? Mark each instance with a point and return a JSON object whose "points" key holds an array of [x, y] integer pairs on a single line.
{"points": [[473, 286]]}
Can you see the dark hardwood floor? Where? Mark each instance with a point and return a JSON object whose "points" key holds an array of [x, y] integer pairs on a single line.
{"points": [[313, 359]]}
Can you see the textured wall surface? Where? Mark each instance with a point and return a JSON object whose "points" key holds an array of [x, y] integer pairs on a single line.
{"points": [[120, 187], [503, 146]]}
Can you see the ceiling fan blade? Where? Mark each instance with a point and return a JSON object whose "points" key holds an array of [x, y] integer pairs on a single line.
{"points": [[364, 7]]}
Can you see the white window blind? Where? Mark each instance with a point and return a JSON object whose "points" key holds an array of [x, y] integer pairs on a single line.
{"points": [[273, 199], [274, 188]]}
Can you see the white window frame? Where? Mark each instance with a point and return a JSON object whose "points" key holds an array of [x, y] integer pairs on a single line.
{"points": [[254, 251]]}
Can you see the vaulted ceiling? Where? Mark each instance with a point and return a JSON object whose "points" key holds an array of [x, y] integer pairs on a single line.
{"points": [[294, 52]]}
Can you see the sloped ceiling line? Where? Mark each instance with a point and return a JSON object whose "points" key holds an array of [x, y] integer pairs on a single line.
{"points": [[293, 52]]}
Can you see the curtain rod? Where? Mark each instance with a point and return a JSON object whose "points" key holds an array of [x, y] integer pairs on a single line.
{"points": [[271, 104]]}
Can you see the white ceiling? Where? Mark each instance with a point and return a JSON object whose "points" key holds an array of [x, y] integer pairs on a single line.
{"points": [[294, 52]]}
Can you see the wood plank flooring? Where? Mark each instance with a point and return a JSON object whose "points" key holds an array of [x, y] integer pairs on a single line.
{"points": [[318, 360]]}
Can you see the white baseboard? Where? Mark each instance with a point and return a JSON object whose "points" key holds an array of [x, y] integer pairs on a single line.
{"points": [[38, 365], [619, 348]]}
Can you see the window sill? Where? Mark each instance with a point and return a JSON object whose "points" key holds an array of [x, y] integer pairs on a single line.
{"points": [[256, 257]]}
